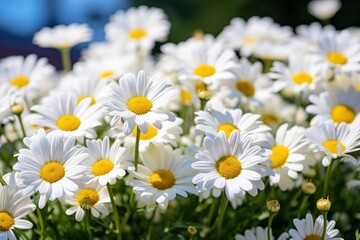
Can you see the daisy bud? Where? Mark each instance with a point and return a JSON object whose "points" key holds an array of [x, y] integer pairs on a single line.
{"points": [[308, 188], [273, 206], [323, 204], [204, 95], [198, 34], [192, 230], [17, 108]]}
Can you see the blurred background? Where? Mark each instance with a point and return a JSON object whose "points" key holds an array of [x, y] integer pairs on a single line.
{"points": [[19, 19]]}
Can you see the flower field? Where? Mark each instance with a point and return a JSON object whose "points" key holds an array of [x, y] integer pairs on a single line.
{"points": [[253, 134]]}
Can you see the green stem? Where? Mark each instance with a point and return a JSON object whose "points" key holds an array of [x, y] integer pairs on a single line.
{"points": [[302, 206], [116, 214], [87, 223], [211, 212], [327, 178], [21, 125], [151, 226], [325, 226], [66, 59], [41, 223], [137, 142], [22, 234], [2, 181], [222, 210], [271, 216], [128, 211]]}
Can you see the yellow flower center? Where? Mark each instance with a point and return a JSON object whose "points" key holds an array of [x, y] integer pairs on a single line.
{"points": [[228, 167], [152, 132], [20, 81], [279, 156], [106, 74], [204, 70], [87, 198], [227, 128], [93, 101], [357, 87], [312, 237], [248, 40], [246, 87], [68, 122], [200, 86], [137, 33], [102, 167], [332, 146], [6, 221], [337, 58], [139, 105], [301, 78], [343, 113], [269, 118], [52, 172], [162, 179], [186, 97]]}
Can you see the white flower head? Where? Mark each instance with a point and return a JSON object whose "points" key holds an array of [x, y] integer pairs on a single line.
{"points": [[105, 164], [163, 174], [324, 9], [51, 166], [91, 196], [137, 100], [232, 164], [63, 36], [259, 233]]}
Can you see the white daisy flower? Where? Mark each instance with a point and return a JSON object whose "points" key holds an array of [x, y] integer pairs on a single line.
{"points": [[310, 34], [307, 229], [229, 120], [232, 164], [289, 149], [51, 166], [335, 140], [337, 104], [303, 73], [163, 174], [323, 9], [91, 196], [345, 81], [62, 36], [13, 207], [250, 86], [105, 164], [62, 114], [259, 234], [208, 63], [138, 27], [138, 100], [29, 76], [168, 134], [340, 51]]}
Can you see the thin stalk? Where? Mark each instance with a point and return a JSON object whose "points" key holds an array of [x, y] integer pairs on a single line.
{"points": [[271, 216], [327, 178], [302, 206], [151, 226], [222, 210], [137, 141], [21, 125], [66, 59], [2, 181], [41, 223], [325, 226], [128, 211], [211, 211], [116, 214], [22, 234], [87, 224]]}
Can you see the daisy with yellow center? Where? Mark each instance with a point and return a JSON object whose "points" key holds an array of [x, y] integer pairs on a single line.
{"points": [[13, 208], [137, 100], [335, 140], [337, 104], [138, 27], [228, 121], [163, 174], [106, 163], [93, 197], [303, 73], [51, 166], [231, 164], [62, 114], [307, 229], [289, 149]]}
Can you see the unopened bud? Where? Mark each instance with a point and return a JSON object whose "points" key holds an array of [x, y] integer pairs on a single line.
{"points": [[192, 230], [323, 204], [17, 108], [308, 188], [273, 206], [198, 34], [204, 95]]}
